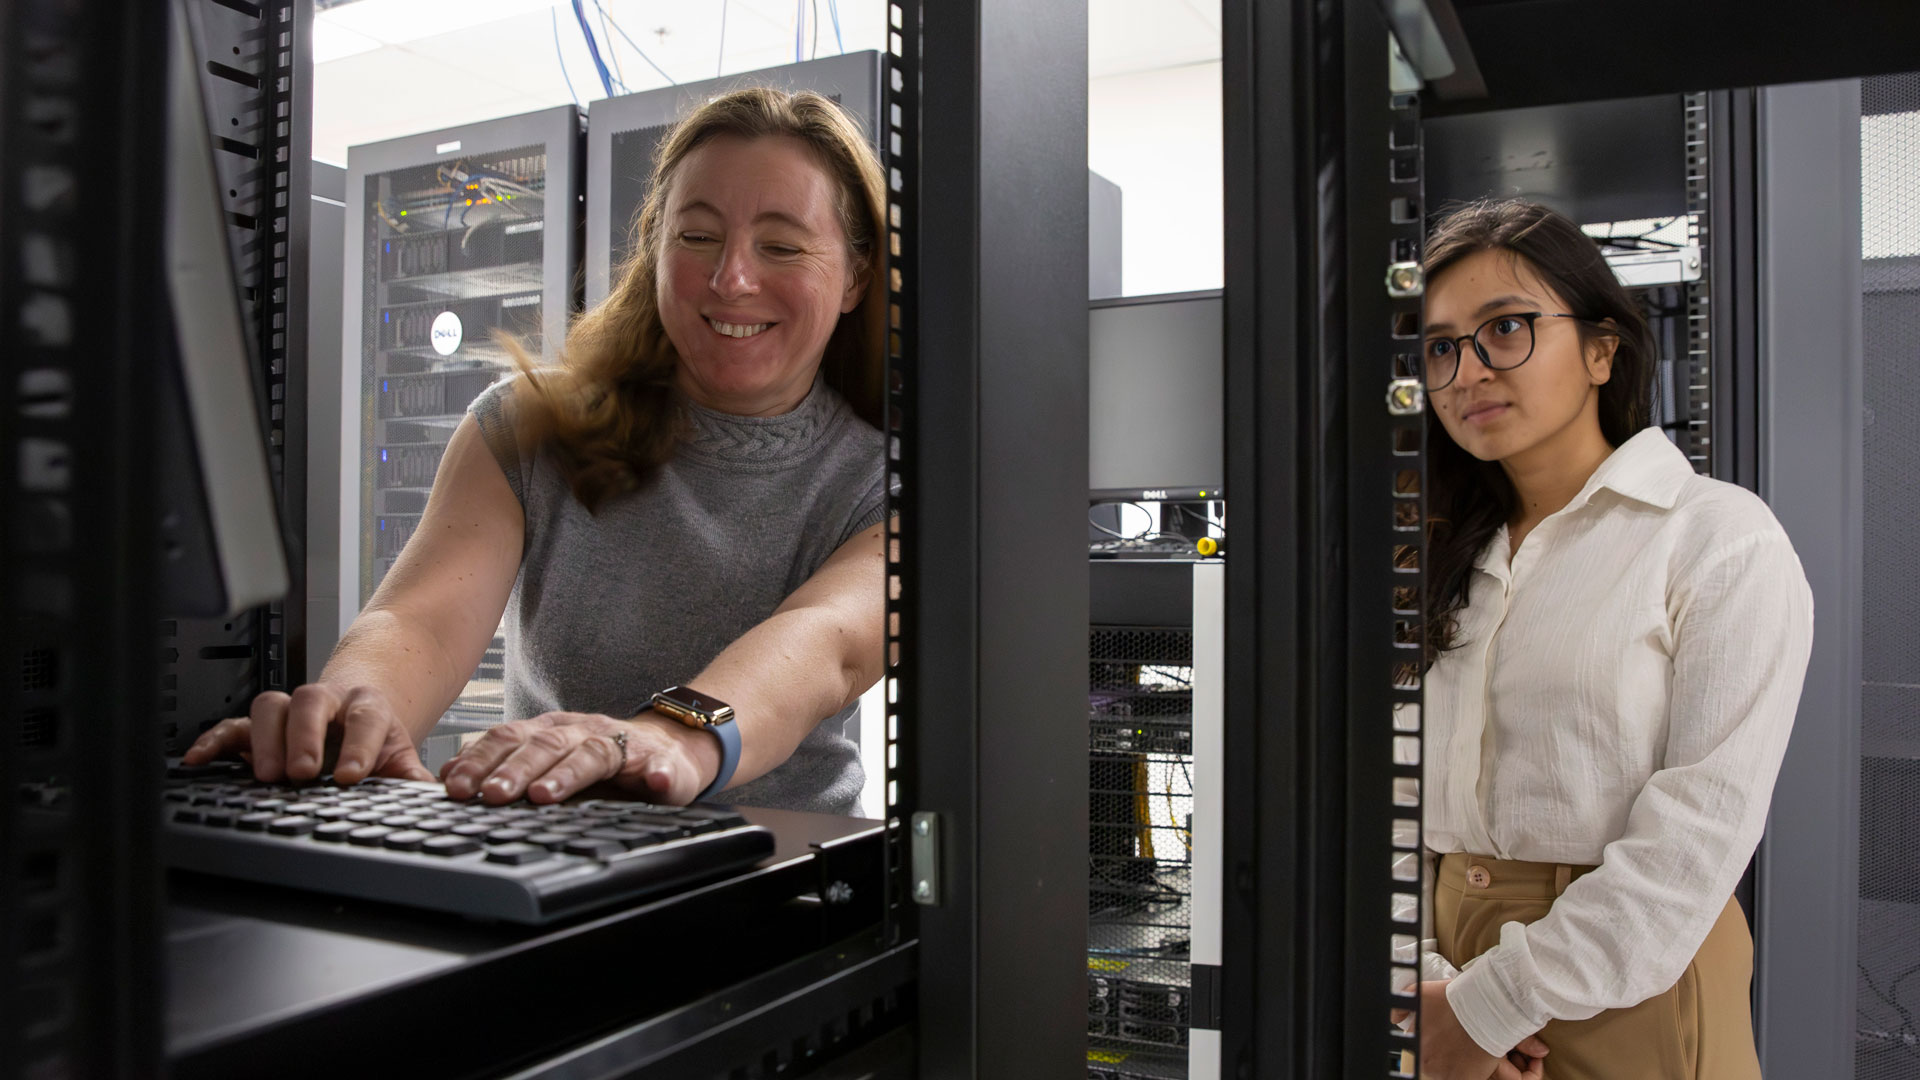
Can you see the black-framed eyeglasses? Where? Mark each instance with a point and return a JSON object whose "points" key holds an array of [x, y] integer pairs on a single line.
{"points": [[1503, 343]]}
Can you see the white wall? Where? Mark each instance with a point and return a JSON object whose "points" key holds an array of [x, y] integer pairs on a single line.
{"points": [[1157, 134]]}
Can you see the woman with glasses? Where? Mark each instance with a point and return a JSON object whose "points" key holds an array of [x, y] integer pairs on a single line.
{"points": [[1617, 647]]}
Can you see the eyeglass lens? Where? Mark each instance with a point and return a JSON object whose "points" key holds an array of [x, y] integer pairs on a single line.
{"points": [[1504, 342]]}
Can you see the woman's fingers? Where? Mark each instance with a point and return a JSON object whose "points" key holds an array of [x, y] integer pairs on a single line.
{"points": [[1532, 1047], [369, 729], [466, 771], [1505, 1070], [405, 763], [269, 716], [222, 739], [593, 758], [506, 759], [311, 710]]}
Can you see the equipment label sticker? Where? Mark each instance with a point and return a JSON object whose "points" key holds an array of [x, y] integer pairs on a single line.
{"points": [[446, 333]]}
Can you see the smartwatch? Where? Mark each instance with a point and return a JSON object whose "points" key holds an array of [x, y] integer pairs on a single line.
{"points": [[694, 709]]}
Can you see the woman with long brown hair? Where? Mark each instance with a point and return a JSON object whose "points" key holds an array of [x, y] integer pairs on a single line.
{"points": [[681, 524], [1617, 648]]}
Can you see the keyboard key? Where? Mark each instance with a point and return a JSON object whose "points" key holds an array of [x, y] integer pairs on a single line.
{"points": [[238, 802], [471, 829], [594, 848], [334, 831], [368, 835], [254, 822], [292, 826], [517, 854], [406, 840], [400, 821], [551, 840], [436, 825], [571, 830], [332, 813], [679, 826], [219, 818], [270, 804], [189, 817], [450, 845], [630, 838], [506, 836], [301, 808]]}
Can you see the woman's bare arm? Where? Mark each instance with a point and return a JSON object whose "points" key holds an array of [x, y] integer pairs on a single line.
{"points": [[425, 629], [410, 651], [808, 660], [815, 655]]}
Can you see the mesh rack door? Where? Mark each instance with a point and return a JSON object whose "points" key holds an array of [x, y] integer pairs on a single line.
{"points": [[1139, 861], [1887, 1035]]}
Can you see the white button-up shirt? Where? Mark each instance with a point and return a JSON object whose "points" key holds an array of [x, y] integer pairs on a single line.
{"points": [[1622, 697]]}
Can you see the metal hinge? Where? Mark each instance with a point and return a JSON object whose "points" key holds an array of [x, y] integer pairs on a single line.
{"points": [[1205, 982], [924, 858]]}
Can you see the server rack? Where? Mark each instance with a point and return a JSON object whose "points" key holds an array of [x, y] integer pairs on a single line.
{"points": [[453, 238], [623, 132], [1141, 672], [80, 911], [1324, 450]]}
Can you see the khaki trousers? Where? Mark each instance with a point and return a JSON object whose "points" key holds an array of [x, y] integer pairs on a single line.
{"points": [[1700, 1029]]}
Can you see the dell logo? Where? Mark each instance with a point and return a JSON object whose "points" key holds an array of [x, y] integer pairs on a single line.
{"points": [[1157, 494], [446, 333]]}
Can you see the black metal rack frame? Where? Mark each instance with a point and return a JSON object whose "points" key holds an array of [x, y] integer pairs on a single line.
{"points": [[1325, 444], [79, 879]]}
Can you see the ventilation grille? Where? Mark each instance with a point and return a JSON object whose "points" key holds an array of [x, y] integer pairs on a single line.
{"points": [[1140, 803], [1888, 1034]]}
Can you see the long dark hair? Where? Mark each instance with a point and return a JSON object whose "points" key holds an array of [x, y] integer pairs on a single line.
{"points": [[1469, 499]]}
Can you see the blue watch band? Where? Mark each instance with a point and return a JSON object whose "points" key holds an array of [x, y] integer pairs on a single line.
{"points": [[729, 735]]}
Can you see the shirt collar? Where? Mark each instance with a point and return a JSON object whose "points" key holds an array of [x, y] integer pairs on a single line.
{"points": [[1647, 468]]}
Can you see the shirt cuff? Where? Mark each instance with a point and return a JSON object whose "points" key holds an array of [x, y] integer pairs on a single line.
{"points": [[1487, 1011], [1433, 966]]}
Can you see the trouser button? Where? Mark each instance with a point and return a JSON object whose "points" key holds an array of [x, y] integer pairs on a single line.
{"points": [[1479, 876]]}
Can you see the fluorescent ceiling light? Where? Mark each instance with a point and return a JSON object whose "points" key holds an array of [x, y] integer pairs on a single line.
{"points": [[331, 42], [394, 22]]}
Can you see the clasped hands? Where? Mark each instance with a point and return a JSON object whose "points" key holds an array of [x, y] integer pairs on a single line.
{"points": [[1447, 1052], [546, 759]]}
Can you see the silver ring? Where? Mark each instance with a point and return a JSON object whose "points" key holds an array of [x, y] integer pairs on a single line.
{"points": [[620, 740]]}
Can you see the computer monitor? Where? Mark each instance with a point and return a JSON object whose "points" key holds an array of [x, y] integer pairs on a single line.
{"points": [[222, 546], [1155, 373]]}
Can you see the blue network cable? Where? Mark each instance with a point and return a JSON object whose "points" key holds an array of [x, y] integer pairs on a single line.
{"points": [[671, 81], [833, 12], [561, 57], [593, 48], [799, 22]]}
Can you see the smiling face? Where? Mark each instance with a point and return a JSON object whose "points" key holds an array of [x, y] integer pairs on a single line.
{"points": [[1549, 402], [754, 272]]}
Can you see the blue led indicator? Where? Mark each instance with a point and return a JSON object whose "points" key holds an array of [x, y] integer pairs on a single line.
{"points": [[383, 386], [383, 524], [389, 245], [383, 453], [386, 316]]}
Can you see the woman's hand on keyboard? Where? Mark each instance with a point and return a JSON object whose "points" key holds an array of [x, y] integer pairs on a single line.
{"points": [[558, 755], [295, 736]]}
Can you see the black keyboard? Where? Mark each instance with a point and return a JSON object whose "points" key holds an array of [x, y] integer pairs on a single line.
{"points": [[406, 842]]}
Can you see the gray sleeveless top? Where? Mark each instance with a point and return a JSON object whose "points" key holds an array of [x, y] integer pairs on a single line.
{"points": [[610, 607]]}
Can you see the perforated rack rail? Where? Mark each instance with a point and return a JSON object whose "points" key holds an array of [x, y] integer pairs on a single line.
{"points": [[255, 73], [1325, 451], [900, 155]]}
